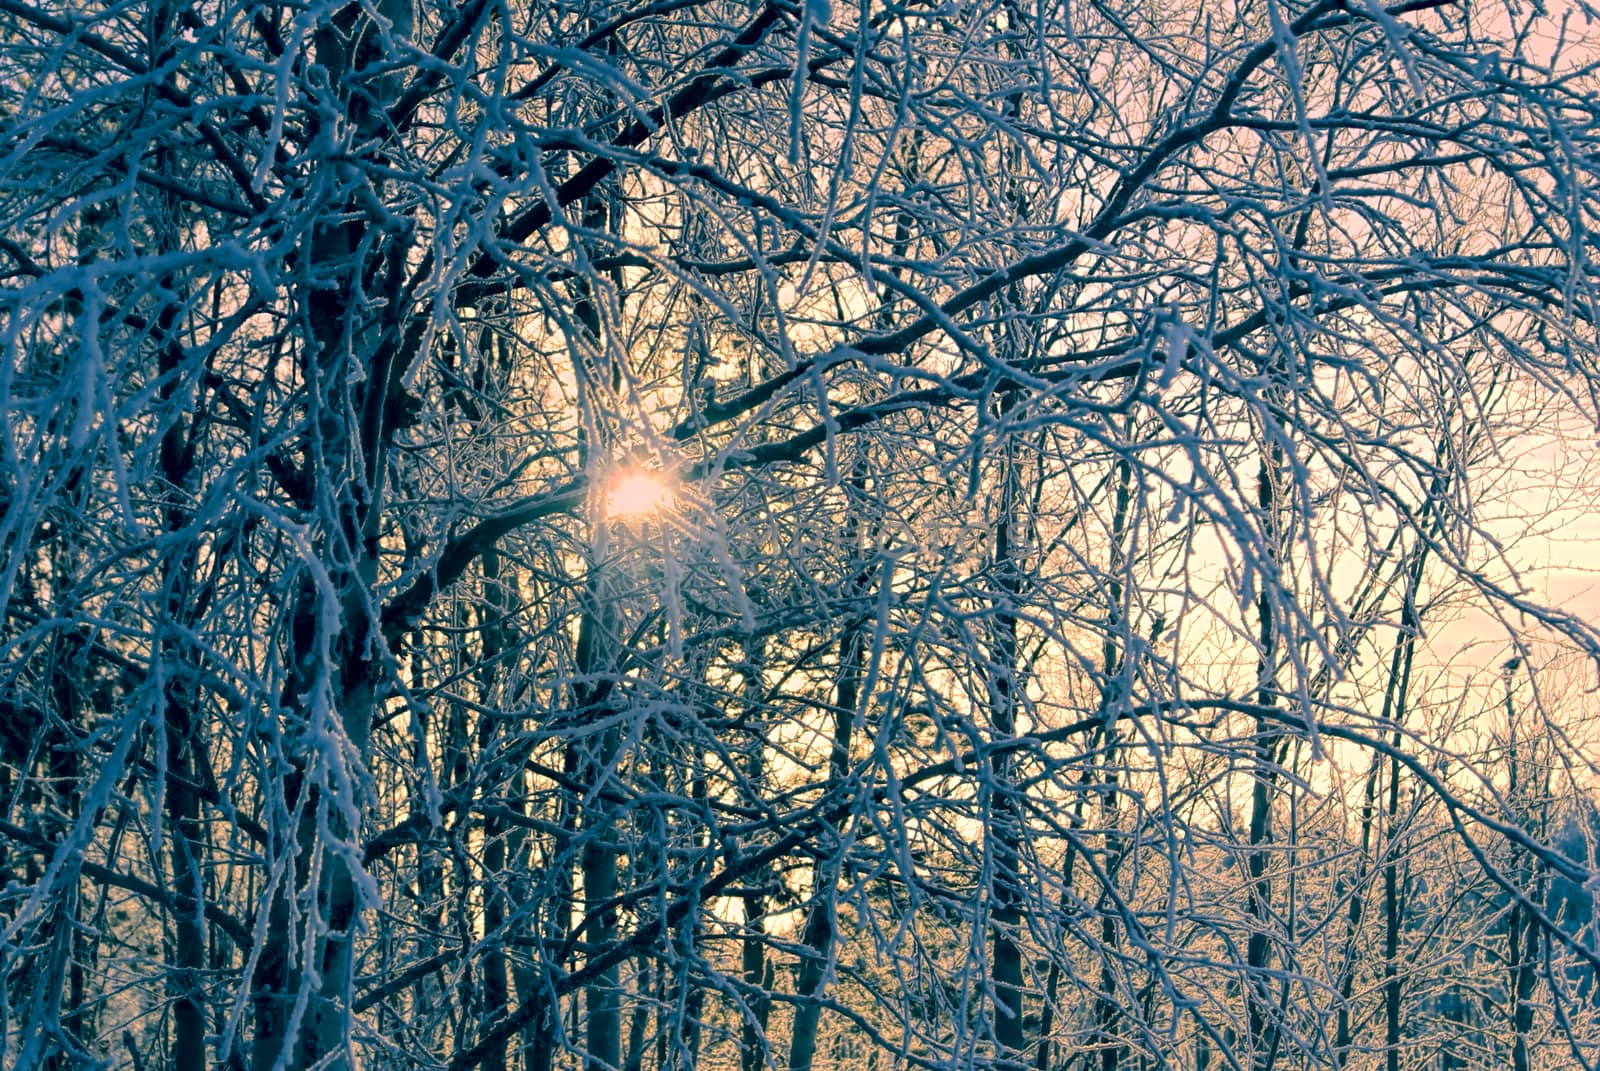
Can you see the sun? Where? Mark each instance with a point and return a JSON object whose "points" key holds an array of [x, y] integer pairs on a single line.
{"points": [[635, 494]]}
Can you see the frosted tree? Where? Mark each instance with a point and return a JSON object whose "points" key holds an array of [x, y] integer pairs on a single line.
{"points": [[723, 533]]}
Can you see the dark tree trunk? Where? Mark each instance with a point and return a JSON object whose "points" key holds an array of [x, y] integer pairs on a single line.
{"points": [[817, 938], [755, 969], [1258, 897]]}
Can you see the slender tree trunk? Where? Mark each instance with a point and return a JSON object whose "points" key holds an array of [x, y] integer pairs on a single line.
{"points": [[534, 980], [186, 836], [352, 421], [1258, 900], [187, 846], [756, 971], [1347, 973], [1006, 821], [603, 999], [275, 980], [596, 756], [1522, 925], [491, 630], [187, 840], [694, 1000], [1007, 977], [818, 935], [1396, 697], [1112, 659], [1391, 951]]}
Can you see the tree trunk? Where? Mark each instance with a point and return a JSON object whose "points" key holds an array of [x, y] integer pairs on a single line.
{"points": [[1258, 900], [1115, 671], [496, 986], [819, 935], [755, 970], [1005, 833], [1396, 697], [187, 837], [349, 374], [596, 756], [1523, 934]]}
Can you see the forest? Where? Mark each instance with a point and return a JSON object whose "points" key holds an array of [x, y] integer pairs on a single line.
{"points": [[789, 535]]}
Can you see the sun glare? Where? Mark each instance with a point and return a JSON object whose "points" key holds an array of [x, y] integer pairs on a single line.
{"points": [[635, 494]]}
